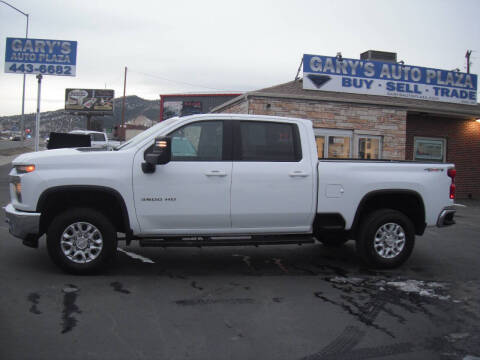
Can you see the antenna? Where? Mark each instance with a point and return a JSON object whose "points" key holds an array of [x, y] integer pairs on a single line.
{"points": [[297, 77], [467, 55]]}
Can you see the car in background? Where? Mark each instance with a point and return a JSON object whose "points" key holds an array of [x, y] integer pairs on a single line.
{"points": [[98, 139]]}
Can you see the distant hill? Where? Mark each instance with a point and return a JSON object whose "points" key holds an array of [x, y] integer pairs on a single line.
{"points": [[61, 121]]}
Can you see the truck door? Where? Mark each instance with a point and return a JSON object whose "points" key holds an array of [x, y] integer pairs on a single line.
{"points": [[272, 179], [190, 194]]}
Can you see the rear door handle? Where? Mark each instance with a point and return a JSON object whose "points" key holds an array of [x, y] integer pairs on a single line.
{"points": [[298, 174], [216, 173]]}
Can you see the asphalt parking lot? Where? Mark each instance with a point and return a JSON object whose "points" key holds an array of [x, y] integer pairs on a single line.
{"points": [[278, 302]]}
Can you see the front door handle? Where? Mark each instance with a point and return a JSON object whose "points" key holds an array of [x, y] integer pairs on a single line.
{"points": [[216, 173], [298, 174]]}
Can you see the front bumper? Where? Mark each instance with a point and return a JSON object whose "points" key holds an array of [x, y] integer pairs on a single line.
{"points": [[445, 218], [22, 224]]}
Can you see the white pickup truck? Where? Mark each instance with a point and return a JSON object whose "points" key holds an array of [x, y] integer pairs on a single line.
{"points": [[98, 139], [222, 179]]}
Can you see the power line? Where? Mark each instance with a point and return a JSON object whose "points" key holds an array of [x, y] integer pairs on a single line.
{"points": [[176, 81]]}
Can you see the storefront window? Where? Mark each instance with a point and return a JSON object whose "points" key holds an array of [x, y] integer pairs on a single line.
{"points": [[369, 147], [339, 147], [320, 146], [332, 143], [429, 149]]}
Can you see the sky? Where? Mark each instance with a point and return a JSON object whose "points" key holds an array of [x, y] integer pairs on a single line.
{"points": [[227, 46]]}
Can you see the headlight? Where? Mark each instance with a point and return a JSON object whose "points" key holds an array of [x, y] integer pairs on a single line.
{"points": [[23, 169]]}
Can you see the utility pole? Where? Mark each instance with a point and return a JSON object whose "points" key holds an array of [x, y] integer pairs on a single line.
{"points": [[122, 125], [467, 55], [37, 117]]}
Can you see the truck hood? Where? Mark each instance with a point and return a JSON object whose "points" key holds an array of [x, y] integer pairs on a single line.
{"points": [[47, 155]]}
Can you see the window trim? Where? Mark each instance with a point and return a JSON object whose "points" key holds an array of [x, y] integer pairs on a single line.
{"points": [[326, 133], [444, 148], [237, 140], [357, 138]]}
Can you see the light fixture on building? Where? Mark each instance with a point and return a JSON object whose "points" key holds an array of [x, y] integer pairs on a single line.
{"points": [[401, 62], [339, 56]]}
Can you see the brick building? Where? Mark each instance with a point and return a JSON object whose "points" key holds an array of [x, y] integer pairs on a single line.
{"points": [[363, 126], [189, 104]]}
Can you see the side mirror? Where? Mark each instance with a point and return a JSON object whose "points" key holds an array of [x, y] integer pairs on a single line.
{"points": [[163, 148], [160, 155]]}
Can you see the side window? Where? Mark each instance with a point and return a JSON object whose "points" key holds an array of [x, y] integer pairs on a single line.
{"points": [[200, 141], [269, 141], [97, 137]]}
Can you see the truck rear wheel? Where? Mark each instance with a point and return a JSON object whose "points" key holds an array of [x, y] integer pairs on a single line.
{"points": [[386, 239], [81, 240]]}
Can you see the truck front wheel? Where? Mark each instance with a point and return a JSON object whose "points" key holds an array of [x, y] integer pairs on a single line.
{"points": [[81, 240], [386, 239]]}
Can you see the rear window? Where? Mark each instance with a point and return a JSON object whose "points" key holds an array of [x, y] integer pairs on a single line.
{"points": [[269, 141], [97, 137]]}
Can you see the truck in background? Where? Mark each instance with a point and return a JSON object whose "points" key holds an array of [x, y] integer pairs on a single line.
{"points": [[98, 139]]}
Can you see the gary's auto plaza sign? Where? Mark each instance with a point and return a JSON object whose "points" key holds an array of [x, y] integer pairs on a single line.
{"points": [[41, 56], [388, 79]]}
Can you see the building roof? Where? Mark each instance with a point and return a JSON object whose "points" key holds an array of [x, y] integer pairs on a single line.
{"points": [[294, 90], [201, 94]]}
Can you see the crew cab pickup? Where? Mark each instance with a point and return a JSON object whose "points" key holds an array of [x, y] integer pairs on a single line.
{"points": [[98, 139], [222, 179]]}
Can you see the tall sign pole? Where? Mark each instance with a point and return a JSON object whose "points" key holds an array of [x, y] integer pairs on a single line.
{"points": [[37, 117], [22, 125]]}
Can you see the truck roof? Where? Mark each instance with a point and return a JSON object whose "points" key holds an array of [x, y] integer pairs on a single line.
{"points": [[227, 116], [85, 132]]}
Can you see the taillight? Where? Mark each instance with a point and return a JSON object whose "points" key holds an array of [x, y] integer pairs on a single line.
{"points": [[452, 173]]}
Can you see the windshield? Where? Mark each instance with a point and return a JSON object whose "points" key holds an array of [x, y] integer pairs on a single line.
{"points": [[145, 134]]}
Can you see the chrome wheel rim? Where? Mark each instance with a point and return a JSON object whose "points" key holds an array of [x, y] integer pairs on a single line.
{"points": [[81, 242], [389, 240]]}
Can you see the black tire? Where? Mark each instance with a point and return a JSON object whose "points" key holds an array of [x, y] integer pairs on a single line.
{"points": [[372, 224], [106, 234]]}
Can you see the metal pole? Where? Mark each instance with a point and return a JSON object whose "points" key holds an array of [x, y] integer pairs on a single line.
{"points": [[22, 126], [37, 118], [122, 125], [123, 101]]}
